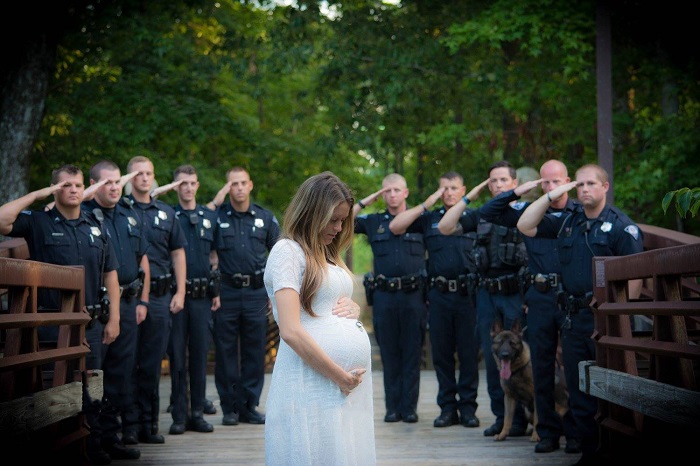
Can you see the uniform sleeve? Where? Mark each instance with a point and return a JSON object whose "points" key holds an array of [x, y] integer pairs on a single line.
{"points": [[497, 210], [273, 233], [177, 236], [629, 241], [22, 227], [469, 220], [285, 266], [361, 224], [111, 261]]}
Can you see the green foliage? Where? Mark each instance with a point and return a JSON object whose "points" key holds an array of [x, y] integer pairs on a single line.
{"points": [[418, 87], [687, 200]]}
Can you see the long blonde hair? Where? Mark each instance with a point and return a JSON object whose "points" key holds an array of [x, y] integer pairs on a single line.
{"points": [[305, 218]]}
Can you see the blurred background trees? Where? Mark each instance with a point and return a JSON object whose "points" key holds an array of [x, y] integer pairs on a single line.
{"points": [[362, 88]]}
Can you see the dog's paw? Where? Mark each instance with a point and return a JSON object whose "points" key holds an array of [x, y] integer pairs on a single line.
{"points": [[534, 437], [500, 437]]}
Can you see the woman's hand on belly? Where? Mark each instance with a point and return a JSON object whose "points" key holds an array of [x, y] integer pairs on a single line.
{"points": [[352, 380], [346, 307]]}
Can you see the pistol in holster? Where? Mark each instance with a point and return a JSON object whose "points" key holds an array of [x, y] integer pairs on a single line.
{"points": [[370, 284]]}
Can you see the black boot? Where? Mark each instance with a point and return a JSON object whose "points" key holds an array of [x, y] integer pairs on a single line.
{"points": [[198, 424]]}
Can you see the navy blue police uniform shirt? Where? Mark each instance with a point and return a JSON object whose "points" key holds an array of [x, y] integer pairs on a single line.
{"points": [[124, 230], [393, 255], [580, 239], [448, 255], [163, 232], [244, 238], [53, 239], [542, 253], [198, 226]]}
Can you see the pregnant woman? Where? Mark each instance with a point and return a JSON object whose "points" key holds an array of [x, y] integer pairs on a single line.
{"points": [[319, 405]]}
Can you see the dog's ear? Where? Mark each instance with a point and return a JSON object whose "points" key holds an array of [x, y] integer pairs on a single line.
{"points": [[516, 328], [497, 326]]}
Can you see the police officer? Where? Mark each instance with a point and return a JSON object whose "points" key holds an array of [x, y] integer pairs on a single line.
{"points": [[452, 318], [544, 319], [166, 255], [191, 333], [119, 222], [593, 229], [499, 256], [396, 290], [246, 233], [65, 235]]}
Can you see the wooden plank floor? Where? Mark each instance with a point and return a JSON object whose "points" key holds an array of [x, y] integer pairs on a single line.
{"points": [[397, 444]]}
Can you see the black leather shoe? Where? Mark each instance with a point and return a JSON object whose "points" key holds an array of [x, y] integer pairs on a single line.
{"points": [[446, 419], [151, 438], [169, 409], [117, 451], [251, 416], [411, 417], [209, 407], [517, 431], [98, 456], [198, 424], [178, 428], [470, 421], [572, 446], [392, 417], [547, 445], [495, 429], [230, 419], [130, 438]]}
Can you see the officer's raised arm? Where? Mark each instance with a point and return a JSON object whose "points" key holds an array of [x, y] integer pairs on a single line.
{"points": [[220, 197], [535, 212], [402, 221], [165, 188], [369, 200], [448, 222], [12, 209]]}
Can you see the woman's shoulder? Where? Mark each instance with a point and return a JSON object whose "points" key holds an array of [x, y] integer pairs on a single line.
{"points": [[285, 248]]}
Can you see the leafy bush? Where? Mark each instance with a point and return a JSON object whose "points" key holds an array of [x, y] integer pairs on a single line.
{"points": [[687, 200]]}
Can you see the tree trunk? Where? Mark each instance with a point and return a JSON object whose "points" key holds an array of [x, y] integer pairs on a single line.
{"points": [[24, 85]]}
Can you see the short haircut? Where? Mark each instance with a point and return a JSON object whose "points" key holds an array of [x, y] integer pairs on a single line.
{"points": [[504, 164], [135, 160], [600, 172], [68, 168], [102, 165], [185, 170], [452, 175]]}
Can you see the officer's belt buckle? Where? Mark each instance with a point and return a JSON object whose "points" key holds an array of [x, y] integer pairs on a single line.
{"points": [[395, 284], [553, 280], [452, 285], [244, 280]]}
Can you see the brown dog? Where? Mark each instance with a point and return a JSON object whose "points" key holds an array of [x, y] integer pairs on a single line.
{"points": [[512, 355]]}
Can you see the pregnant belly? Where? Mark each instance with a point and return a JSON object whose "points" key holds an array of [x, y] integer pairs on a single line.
{"points": [[345, 342]]}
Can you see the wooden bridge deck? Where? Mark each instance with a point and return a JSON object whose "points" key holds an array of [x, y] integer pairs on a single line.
{"points": [[397, 444]]}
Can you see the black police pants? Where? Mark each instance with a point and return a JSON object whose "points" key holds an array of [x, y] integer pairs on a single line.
{"points": [[94, 360], [577, 345], [118, 367], [241, 320], [152, 343], [544, 320], [399, 320], [190, 338], [507, 308], [452, 320]]}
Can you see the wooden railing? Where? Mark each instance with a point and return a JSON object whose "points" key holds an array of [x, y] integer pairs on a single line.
{"points": [[647, 378], [41, 383]]}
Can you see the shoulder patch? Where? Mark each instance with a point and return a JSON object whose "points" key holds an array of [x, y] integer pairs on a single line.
{"points": [[519, 205], [633, 231]]}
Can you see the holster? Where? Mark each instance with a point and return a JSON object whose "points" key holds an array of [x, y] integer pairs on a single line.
{"points": [[370, 285]]}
